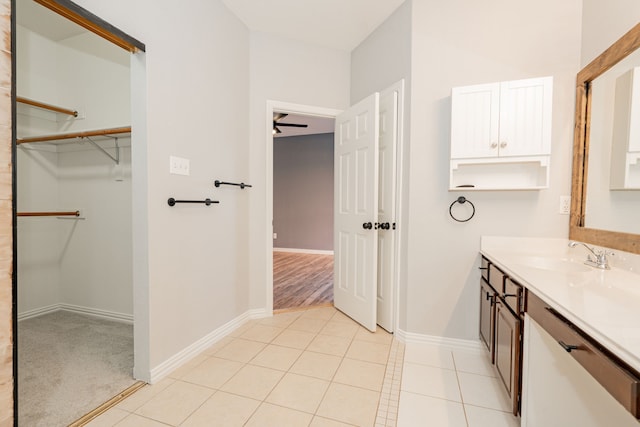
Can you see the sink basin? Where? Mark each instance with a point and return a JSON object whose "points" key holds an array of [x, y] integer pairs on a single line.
{"points": [[560, 265]]}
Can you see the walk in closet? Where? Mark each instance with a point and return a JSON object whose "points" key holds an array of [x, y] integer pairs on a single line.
{"points": [[74, 277]]}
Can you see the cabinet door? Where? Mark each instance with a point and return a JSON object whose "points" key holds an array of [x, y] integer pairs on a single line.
{"points": [[487, 315], [507, 351], [525, 117], [474, 121]]}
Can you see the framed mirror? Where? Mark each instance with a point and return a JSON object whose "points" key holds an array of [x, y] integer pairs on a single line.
{"points": [[595, 180]]}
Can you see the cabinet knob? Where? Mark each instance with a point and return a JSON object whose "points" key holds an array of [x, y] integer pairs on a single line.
{"points": [[503, 144], [494, 145]]}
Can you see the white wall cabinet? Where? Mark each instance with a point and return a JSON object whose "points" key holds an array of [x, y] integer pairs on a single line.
{"points": [[625, 146], [501, 135]]}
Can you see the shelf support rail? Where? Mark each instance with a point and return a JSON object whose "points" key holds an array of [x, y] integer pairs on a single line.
{"points": [[65, 213]]}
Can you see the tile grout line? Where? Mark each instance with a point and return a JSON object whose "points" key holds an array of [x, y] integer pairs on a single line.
{"points": [[385, 417], [464, 407], [305, 349]]}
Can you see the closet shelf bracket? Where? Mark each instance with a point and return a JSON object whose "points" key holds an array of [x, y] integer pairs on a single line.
{"points": [[115, 158]]}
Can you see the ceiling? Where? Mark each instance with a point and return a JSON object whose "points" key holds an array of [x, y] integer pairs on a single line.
{"points": [[41, 20], [337, 24], [315, 125]]}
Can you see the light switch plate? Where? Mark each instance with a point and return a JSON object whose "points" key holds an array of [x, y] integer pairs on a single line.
{"points": [[565, 205], [178, 165]]}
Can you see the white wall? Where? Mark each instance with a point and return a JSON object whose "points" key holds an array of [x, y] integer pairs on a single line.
{"points": [[38, 241], [191, 263], [98, 74], [95, 258], [458, 43], [293, 72], [605, 22], [384, 57]]}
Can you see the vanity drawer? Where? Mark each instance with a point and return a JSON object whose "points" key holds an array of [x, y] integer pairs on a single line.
{"points": [[484, 268], [512, 296], [622, 382], [496, 278]]}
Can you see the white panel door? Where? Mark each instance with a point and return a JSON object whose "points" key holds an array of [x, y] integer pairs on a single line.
{"points": [[525, 117], [475, 119], [387, 207], [356, 211]]}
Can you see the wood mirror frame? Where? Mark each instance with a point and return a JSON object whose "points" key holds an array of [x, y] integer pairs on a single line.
{"points": [[577, 231]]}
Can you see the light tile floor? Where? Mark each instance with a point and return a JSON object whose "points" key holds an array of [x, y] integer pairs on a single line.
{"points": [[451, 387], [318, 368]]}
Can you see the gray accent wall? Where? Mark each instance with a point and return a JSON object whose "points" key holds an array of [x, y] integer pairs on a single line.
{"points": [[303, 192]]}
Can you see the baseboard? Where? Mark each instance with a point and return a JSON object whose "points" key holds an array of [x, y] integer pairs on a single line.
{"points": [[88, 311], [96, 312], [304, 251], [182, 357], [258, 313], [411, 337], [37, 312]]}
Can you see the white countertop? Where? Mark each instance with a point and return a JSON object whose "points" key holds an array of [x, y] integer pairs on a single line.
{"points": [[603, 303]]}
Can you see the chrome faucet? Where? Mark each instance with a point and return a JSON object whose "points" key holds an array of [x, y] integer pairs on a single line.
{"points": [[599, 258]]}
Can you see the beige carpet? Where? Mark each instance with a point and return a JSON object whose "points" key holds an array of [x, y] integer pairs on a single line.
{"points": [[68, 364]]}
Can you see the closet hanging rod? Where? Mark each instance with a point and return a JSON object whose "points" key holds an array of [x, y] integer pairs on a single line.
{"points": [[68, 213], [208, 202], [242, 185], [44, 106], [72, 135]]}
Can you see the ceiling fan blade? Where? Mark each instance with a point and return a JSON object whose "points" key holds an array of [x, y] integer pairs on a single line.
{"points": [[279, 116], [293, 125], [275, 128]]}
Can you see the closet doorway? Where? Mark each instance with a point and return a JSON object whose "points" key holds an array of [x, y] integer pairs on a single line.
{"points": [[74, 276], [302, 210]]}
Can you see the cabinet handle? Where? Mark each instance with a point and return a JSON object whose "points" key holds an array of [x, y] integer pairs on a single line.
{"points": [[509, 295], [567, 347], [503, 144], [494, 145], [488, 296]]}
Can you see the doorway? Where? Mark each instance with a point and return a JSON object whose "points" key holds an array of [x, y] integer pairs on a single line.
{"points": [[302, 211], [388, 269]]}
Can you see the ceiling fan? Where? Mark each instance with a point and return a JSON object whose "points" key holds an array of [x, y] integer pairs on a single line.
{"points": [[276, 123]]}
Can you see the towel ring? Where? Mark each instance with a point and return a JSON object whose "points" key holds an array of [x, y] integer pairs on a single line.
{"points": [[462, 200]]}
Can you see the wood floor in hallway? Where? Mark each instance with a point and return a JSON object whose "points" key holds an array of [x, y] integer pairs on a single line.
{"points": [[301, 280]]}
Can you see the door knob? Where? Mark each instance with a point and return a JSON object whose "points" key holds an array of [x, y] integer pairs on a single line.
{"points": [[385, 225], [367, 226]]}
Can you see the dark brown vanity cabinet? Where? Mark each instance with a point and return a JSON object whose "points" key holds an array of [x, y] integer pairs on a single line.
{"points": [[501, 324], [487, 308], [508, 350], [487, 315]]}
